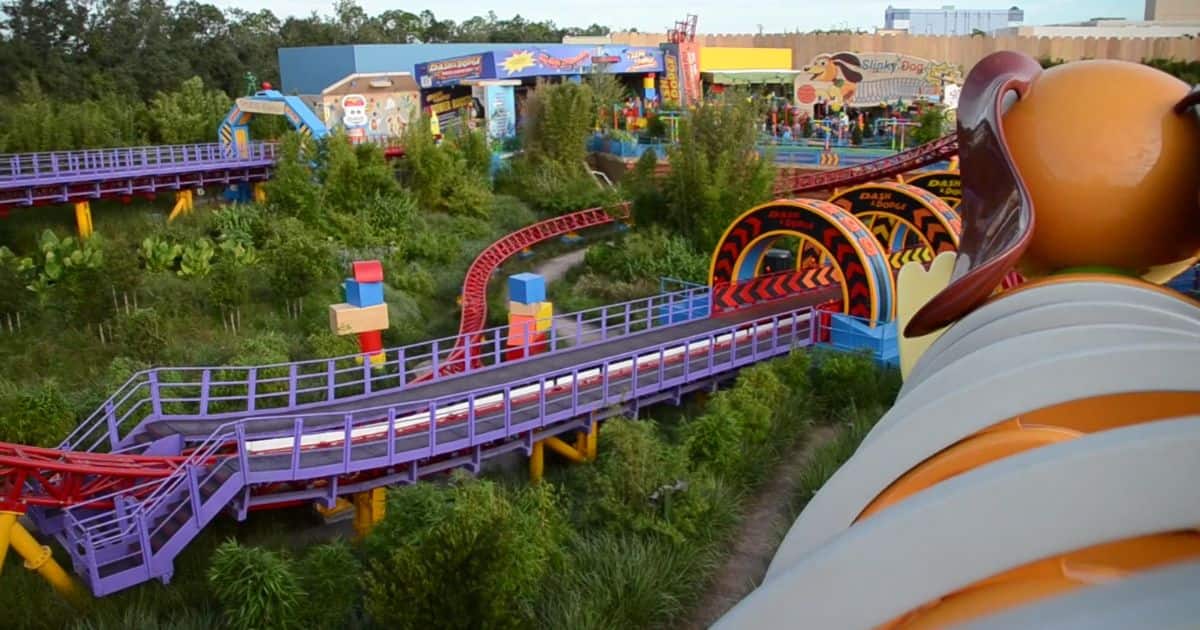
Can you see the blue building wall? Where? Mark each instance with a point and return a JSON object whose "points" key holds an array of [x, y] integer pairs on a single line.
{"points": [[310, 69]]}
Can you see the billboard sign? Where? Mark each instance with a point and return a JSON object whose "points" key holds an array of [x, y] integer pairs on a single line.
{"points": [[453, 71], [872, 79], [669, 84], [572, 60]]}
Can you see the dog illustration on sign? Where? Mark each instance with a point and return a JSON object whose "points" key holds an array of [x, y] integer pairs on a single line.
{"points": [[837, 77]]}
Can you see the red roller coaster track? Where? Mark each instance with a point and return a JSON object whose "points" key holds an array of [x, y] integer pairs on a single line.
{"points": [[793, 182], [53, 478]]}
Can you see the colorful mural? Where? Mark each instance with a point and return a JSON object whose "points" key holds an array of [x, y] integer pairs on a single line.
{"points": [[869, 79], [371, 115]]}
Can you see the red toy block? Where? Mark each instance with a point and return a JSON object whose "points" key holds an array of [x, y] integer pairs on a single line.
{"points": [[368, 270], [538, 344], [520, 326], [370, 341]]}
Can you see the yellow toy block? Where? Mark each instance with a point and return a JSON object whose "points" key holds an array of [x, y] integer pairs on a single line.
{"points": [[540, 311], [544, 316], [377, 359], [519, 327], [347, 319]]}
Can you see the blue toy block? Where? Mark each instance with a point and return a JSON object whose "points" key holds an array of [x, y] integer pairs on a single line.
{"points": [[363, 294], [526, 288]]}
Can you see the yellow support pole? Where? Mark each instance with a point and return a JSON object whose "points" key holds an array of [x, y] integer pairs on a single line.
{"points": [[369, 509], [7, 520], [954, 163], [340, 506], [83, 218], [566, 450], [184, 203], [536, 462], [260, 193], [38, 558], [593, 441]]}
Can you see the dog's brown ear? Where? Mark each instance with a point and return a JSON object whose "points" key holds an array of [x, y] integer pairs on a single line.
{"points": [[848, 58], [997, 212], [852, 75]]}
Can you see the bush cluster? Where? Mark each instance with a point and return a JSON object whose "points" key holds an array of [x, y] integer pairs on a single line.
{"points": [[261, 589]]}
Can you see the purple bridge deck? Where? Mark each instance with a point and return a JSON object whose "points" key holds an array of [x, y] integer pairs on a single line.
{"points": [[33, 179], [314, 430]]}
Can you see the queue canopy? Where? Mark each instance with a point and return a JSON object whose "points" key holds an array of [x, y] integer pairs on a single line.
{"points": [[751, 77]]}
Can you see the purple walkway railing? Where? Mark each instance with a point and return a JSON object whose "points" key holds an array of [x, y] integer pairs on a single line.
{"points": [[137, 541], [54, 166], [230, 392]]}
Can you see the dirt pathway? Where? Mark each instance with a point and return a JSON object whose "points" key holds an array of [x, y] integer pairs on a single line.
{"points": [[553, 269], [758, 536]]}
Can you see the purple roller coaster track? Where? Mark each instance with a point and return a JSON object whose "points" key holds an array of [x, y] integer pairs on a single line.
{"points": [[242, 438], [175, 447], [32, 179]]}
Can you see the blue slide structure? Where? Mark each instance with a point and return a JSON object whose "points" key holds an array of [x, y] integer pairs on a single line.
{"points": [[234, 131]]}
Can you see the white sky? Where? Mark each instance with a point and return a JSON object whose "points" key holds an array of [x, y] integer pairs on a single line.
{"points": [[715, 16]]}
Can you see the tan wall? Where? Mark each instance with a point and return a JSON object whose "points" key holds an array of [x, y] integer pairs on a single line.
{"points": [[964, 51]]}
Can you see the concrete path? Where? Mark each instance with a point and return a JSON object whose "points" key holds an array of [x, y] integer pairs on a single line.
{"points": [[553, 270]]}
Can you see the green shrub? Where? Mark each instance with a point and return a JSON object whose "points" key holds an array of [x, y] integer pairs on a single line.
{"points": [[648, 254], [147, 617], [552, 188], [714, 440], [558, 121], [257, 588], [39, 415], [621, 580], [738, 435], [843, 382], [328, 575], [411, 277], [510, 214], [353, 175], [643, 187], [297, 260], [142, 334], [639, 483], [716, 172], [442, 177], [326, 345], [469, 548], [293, 189], [243, 223]]}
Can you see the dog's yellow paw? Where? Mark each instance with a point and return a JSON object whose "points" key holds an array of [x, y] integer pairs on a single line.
{"points": [[914, 288]]}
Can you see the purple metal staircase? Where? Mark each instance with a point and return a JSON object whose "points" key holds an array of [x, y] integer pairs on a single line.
{"points": [[338, 422]]}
